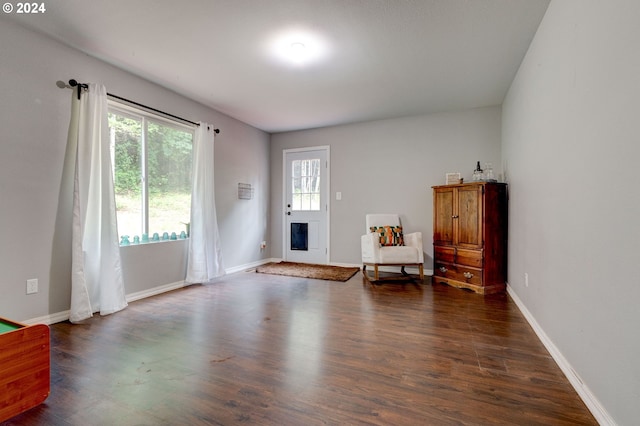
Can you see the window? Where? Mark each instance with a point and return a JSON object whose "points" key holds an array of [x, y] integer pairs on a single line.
{"points": [[152, 174], [306, 185]]}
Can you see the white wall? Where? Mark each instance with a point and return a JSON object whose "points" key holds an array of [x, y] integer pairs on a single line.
{"points": [[571, 144], [35, 212], [389, 166]]}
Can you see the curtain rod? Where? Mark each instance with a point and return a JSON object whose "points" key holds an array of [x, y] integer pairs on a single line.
{"points": [[74, 83]]}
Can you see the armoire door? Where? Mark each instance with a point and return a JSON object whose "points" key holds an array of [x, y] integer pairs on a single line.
{"points": [[443, 214], [468, 217]]}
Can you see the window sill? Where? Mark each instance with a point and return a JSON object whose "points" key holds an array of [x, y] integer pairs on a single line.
{"points": [[150, 242]]}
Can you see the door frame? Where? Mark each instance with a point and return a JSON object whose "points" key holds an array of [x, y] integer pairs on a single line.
{"points": [[327, 190]]}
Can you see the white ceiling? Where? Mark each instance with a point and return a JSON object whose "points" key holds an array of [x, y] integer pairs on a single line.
{"points": [[378, 59]]}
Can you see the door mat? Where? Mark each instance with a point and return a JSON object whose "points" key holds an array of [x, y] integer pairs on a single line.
{"points": [[308, 270]]}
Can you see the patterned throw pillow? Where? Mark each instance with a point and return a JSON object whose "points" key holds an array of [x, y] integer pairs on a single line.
{"points": [[389, 235]]}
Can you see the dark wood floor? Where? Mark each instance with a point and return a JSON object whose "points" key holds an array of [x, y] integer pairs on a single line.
{"points": [[271, 350]]}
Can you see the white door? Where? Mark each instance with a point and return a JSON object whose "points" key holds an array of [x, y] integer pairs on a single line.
{"points": [[306, 186]]}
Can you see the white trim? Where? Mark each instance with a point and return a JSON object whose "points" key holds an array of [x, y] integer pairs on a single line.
{"points": [[327, 149], [346, 265], [581, 388], [155, 291], [252, 265], [48, 319], [328, 191]]}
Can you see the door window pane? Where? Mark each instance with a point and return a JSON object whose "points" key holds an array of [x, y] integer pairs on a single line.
{"points": [[305, 185], [315, 202]]}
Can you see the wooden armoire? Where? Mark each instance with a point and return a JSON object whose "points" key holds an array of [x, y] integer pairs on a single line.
{"points": [[470, 236]]}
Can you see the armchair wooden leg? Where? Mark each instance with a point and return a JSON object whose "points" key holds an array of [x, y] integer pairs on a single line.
{"points": [[376, 271]]}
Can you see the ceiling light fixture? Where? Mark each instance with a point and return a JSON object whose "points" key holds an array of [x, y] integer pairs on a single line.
{"points": [[298, 51], [297, 47]]}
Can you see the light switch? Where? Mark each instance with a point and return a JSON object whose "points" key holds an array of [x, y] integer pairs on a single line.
{"points": [[338, 196]]}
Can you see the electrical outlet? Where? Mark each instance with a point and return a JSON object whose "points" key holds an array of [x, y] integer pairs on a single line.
{"points": [[263, 245], [32, 286], [526, 279]]}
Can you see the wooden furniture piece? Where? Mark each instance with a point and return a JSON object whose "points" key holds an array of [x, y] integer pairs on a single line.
{"points": [[470, 236], [24, 367]]}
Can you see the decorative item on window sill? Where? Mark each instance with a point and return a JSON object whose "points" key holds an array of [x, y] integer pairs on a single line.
{"points": [[245, 191], [125, 240]]}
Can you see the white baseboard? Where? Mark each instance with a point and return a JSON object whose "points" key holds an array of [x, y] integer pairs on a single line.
{"points": [[346, 265], [132, 297], [249, 266], [48, 319], [592, 403]]}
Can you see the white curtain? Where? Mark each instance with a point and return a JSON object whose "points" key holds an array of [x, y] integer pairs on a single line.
{"points": [[205, 259], [96, 280]]}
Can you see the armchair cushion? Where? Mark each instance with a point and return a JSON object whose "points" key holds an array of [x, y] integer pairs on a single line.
{"points": [[399, 255], [389, 235]]}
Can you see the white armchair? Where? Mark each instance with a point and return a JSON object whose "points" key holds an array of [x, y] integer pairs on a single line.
{"points": [[387, 245]]}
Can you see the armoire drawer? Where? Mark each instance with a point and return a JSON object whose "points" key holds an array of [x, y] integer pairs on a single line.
{"points": [[445, 254], [458, 256], [471, 258], [458, 273]]}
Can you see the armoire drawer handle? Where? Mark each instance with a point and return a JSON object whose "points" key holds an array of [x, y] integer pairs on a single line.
{"points": [[468, 275], [443, 269]]}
